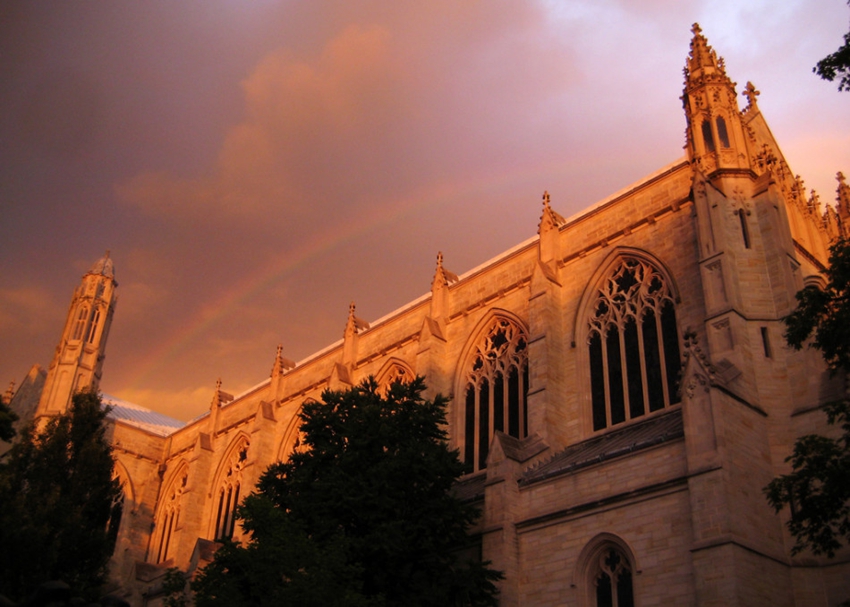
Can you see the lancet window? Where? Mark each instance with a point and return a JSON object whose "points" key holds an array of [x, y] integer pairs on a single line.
{"points": [[611, 577], [707, 136], [169, 517], [228, 491], [80, 323], [633, 344], [93, 327], [495, 390], [722, 133]]}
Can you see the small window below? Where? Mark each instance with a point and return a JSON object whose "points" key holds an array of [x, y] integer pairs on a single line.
{"points": [[765, 340], [745, 231]]}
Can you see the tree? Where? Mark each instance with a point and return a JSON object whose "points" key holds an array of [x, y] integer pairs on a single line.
{"points": [[58, 499], [7, 420], [818, 488], [363, 515], [836, 63]]}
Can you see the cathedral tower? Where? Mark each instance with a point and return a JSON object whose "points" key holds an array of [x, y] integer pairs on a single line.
{"points": [[78, 360], [716, 142]]}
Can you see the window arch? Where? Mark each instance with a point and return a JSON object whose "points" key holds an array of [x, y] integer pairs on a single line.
{"points": [[81, 323], [495, 389], [606, 570], [633, 343], [393, 371], [229, 487], [169, 514]]}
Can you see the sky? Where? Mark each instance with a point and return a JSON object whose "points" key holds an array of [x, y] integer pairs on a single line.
{"points": [[254, 167]]}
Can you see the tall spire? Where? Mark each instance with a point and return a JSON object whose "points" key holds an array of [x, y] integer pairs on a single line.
{"points": [[716, 137], [79, 357]]}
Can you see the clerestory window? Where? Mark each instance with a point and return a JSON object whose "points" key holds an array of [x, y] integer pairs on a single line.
{"points": [[169, 516], [496, 390], [633, 344], [228, 492]]}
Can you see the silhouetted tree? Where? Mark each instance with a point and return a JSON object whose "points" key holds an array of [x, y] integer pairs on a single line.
{"points": [[818, 488], [57, 498], [7, 420], [835, 64], [362, 516]]}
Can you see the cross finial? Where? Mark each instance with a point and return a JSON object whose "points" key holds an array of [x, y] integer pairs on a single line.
{"points": [[696, 29], [750, 92]]}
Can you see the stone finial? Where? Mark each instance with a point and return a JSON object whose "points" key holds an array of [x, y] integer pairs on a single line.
{"points": [[220, 397], [442, 276], [10, 392], [703, 63], [843, 195], [354, 324], [281, 363], [751, 93], [549, 219]]}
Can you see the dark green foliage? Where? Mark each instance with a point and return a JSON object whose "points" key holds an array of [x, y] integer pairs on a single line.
{"points": [[818, 488], [363, 516], [826, 314], [58, 495], [838, 63], [7, 419], [174, 588]]}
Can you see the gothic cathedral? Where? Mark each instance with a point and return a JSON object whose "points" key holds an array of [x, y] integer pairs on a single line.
{"points": [[620, 389]]}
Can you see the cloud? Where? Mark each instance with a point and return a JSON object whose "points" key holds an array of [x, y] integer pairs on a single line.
{"points": [[303, 121]]}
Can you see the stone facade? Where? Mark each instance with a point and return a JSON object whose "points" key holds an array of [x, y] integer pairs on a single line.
{"points": [[620, 389]]}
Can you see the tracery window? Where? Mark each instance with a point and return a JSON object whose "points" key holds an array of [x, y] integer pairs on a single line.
{"points": [[612, 580], [633, 344], [93, 327], [496, 390], [395, 373], [81, 323], [228, 492], [169, 516]]}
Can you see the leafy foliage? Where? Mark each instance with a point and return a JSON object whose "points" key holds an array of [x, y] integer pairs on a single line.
{"points": [[58, 498], [7, 420], [836, 63], [826, 313], [818, 487], [362, 516]]}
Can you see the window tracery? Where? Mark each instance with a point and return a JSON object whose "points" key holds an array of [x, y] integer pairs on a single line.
{"points": [[169, 516], [495, 390], [93, 327], [612, 580], [396, 372], [633, 344], [228, 492], [81, 323]]}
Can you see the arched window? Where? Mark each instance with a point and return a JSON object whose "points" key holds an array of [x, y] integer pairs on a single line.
{"points": [[633, 344], [707, 136], [721, 132], [495, 390], [81, 323], [93, 327], [611, 579], [392, 373], [169, 515], [228, 491]]}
